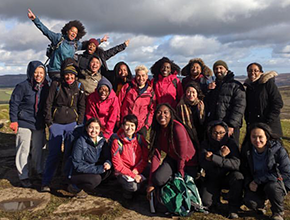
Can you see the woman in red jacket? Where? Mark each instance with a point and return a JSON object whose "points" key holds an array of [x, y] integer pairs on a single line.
{"points": [[169, 135], [103, 104], [167, 87]]}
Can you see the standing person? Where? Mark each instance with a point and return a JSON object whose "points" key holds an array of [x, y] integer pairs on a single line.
{"points": [[266, 167], [191, 109], [65, 108], [90, 159], [93, 49], [65, 43], [27, 121], [220, 159], [197, 71], [104, 105], [119, 76], [138, 98], [169, 135], [129, 156], [264, 101], [227, 102], [167, 87]]}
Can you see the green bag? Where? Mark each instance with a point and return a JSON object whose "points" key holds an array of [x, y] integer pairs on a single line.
{"points": [[180, 195]]}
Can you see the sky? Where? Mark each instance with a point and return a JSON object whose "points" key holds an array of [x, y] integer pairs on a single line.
{"points": [[236, 31]]}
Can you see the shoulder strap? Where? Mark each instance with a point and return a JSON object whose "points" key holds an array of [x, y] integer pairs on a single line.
{"points": [[120, 147], [150, 103], [174, 81], [58, 87]]}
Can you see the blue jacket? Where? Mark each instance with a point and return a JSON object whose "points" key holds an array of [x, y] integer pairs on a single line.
{"points": [[28, 99], [278, 163], [88, 158]]}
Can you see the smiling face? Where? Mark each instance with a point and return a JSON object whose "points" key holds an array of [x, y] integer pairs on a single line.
{"points": [[93, 130], [218, 132], [163, 116], [95, 65], [69, 78], [72, 33], [129, 129], [39, 75], [220, 72], [92, 48], [123, 71], [191, 94], [254, 73], [195, 70], [141, 78], [165, 69], [104, 92], [258, 139]]}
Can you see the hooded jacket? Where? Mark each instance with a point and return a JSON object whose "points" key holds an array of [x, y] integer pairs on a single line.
{"points": [[166, 91], [107, 110], [219, 165], [28, 100], [88, 157], [227, 102], [264, 102], [66, 102], [133, 156], [131, 102], [113, 77]]}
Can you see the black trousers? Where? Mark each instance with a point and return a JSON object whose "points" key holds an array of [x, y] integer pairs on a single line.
{"points": [[272, 191]]}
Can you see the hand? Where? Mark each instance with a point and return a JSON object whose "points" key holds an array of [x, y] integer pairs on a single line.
{"points": [[14, 126], [105, 38], [30, 15], [211, 85], [225, 151], [138, 178], [127, 42], [208, 156], [107, 166], [135, 172], [149, 190], [231, 131], [253, 186]]}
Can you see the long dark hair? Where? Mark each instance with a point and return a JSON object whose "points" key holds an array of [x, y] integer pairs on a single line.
{"points": [[155, 69], [78, 25], [156, 128]]}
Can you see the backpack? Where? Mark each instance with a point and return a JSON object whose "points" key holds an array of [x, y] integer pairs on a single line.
{"points": [[120, 144], [174, 82]]}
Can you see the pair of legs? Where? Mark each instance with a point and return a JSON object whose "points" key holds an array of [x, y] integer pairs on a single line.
{"points": [[57, 133], [212, 186], [25, 138], [272, 191]]}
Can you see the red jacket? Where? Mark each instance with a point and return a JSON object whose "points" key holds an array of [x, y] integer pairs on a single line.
{"points": [[107, 111], [183, 145], [140, 105], [133, 156], [166, 91]]}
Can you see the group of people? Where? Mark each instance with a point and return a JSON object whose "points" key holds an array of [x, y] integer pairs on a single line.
{"points": [[123, 122]]}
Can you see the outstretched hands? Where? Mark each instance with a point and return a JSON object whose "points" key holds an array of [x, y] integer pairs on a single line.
{"points": [[105, 38], [30, 15]]}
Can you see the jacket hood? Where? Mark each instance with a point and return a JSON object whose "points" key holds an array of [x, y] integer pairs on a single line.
{"points": [[214, 142], [32, 67], [206, 71], [106, 82], [117, 68], [265, 77]]}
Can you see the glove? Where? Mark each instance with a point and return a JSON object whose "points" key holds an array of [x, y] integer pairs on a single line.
{"points": [[14, 126]]}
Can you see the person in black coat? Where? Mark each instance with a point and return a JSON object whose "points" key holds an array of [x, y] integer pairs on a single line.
{"points": [[220, 158], [227, 101], [265, 165], [264, 101]]}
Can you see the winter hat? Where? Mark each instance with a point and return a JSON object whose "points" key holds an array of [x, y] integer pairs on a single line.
{"points": [[70, 69], [220, 63], [104, 82], [94, 41]]}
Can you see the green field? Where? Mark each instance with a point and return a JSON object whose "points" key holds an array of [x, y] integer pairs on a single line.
{"points": [[5, 94]]}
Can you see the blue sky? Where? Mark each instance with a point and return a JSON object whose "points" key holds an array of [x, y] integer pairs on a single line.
{"points": [[238, 32]]}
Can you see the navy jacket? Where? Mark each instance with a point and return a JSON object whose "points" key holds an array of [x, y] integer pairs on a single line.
{"points": [[28, 99]]}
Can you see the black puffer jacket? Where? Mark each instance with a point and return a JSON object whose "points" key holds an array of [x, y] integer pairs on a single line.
{"points": [[227, 102], [264, 102]]}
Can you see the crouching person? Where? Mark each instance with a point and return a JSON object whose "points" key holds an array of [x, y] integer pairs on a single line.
{"points": [[90, 160], [129, 156], [266, 167], [220, 159]]}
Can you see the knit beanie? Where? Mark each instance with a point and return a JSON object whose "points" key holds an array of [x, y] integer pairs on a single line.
{"points": [[94, 41], [70, 69], [220, 63]]}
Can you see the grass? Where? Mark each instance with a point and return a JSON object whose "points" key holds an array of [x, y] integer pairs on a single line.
{"points": [[5, 94]]}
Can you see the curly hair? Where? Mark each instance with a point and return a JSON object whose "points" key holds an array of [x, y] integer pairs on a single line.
{"points": [[78, 25], [155, 69], [156, 128]]}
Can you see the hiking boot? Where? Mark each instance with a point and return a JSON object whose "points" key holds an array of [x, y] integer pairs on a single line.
{"points": [[261, 211], [276, 216], [79, 193], [233, 215], [45, 189], [25, 183]]}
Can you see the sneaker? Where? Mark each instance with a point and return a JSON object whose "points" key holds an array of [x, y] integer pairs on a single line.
{"points": [[81, 194], [26, 183], [45, 189], [233, 215], [276, 216], [261, 211]]}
